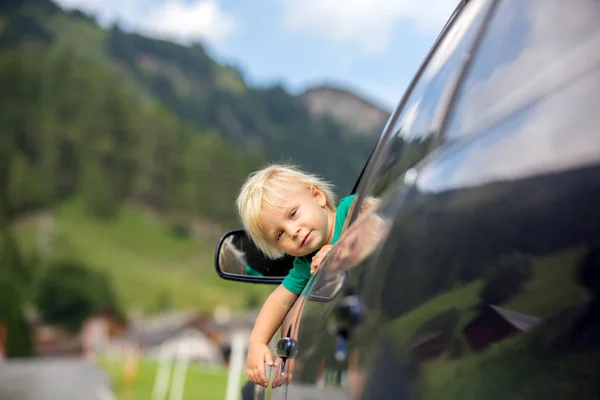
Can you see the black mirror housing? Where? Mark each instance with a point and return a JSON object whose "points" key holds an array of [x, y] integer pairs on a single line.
{"points": [[238, 259]]}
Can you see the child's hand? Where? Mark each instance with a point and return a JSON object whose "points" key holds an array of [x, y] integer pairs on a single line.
{"points": [[318, 258], [287, 375], [258, 355]]}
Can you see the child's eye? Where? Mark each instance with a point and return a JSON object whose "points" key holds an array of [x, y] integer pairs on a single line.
{"points": [[293, 213], [278, 235]]}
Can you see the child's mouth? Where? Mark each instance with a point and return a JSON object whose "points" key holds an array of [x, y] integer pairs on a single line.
{"points": [[305, 239]]}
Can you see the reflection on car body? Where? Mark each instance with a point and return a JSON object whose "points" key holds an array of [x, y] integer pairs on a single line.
{"points": [[477, 274]]}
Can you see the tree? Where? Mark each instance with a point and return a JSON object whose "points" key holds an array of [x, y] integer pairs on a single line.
{"points": [[18, 340], [13, 287], [506, 278], [69, 292], [100, 200]]}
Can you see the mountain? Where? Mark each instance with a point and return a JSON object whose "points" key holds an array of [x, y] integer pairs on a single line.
{"points": [[204, 93], [359, 115], [136, 148]]}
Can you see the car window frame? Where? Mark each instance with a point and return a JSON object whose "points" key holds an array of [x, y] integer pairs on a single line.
{"points": [[386, 133], [463, 73], [373, 164]]}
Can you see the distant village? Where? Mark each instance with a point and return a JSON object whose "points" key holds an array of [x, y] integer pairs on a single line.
{"points": [[194, 336]]}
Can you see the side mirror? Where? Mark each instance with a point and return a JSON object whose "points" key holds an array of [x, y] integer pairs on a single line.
{"points": [[238, 259]]}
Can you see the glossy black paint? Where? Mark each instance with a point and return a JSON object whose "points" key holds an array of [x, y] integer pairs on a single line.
{"points": [[478, 273]]}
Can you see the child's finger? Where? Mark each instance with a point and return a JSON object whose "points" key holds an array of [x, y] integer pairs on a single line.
{"points": [[313, 267], [262, 377], [269, 359], [252, 375]]}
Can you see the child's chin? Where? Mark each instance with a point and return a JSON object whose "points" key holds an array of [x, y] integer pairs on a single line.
{"points": [[305, 253]]}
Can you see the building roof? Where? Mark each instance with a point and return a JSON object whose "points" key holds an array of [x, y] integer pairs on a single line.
{"points": [[153, 331], [520, 321], [191, 344]]}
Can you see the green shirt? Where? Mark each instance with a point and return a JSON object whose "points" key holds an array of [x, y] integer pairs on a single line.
{"points": [[300, 273], [252, 272]]}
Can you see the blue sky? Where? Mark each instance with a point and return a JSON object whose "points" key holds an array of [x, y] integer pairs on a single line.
{"points": [[373, 47]]}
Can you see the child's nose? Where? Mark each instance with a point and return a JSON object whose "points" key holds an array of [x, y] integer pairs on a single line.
{"points": [[294, 231]]}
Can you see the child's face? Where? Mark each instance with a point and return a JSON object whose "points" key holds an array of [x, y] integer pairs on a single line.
{"points": [[301, 224]]}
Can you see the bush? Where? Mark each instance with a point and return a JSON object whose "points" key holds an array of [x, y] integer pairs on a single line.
{"points": [[180, 229], [69, 292]]}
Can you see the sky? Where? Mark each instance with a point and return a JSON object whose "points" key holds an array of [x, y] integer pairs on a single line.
{"points": [[373, 47]]}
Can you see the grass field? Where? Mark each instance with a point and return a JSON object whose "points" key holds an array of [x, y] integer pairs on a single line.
{"points": [[200, 383], [511, 368], [146, 262], [552, 274]]}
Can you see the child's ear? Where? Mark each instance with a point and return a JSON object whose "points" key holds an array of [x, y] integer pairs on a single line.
{"points": [[319, 195]]}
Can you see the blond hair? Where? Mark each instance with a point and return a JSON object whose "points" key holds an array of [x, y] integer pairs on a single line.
{"points": [[264, 189]]}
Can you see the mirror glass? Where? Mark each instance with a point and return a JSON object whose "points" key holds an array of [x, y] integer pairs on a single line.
{"points": [[238, 256]]}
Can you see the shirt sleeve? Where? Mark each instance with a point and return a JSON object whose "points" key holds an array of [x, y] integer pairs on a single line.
{"points": [[298, 276], [340, 217], [344, 207]]}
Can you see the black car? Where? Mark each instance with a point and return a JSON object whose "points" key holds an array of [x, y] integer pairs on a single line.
{"points": [[477, 275]]}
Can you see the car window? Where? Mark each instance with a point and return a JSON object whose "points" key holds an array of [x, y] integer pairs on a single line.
{"points": [[415, 128], [524, 56]]}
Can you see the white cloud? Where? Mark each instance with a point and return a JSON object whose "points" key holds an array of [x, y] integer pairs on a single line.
{"points": [[512, 83], [557, 133], [170, 19], [366, 24]]}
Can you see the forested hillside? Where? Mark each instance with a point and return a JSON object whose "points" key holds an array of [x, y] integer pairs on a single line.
{"points": [[133, 149]]}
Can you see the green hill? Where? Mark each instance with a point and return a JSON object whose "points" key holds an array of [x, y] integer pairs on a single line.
{"points": [[99, 124], [196, 89], [150, 266]]}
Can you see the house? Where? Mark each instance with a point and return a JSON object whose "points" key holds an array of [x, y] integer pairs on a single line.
{"points": [[54, 341], [174, 342], [171, 335], [191, 344], [96, 331], [99, 330], [227, 326], [51, 340], [199, 337], [494, 324]]}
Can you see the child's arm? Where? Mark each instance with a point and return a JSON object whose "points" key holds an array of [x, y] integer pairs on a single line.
{"points": [[268, 321]]}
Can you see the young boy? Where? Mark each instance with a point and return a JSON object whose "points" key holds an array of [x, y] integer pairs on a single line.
{"points": [[285, 210]]}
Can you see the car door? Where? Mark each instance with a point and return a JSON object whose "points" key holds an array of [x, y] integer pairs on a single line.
{"points": [[319, 365], [486, 285]]}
